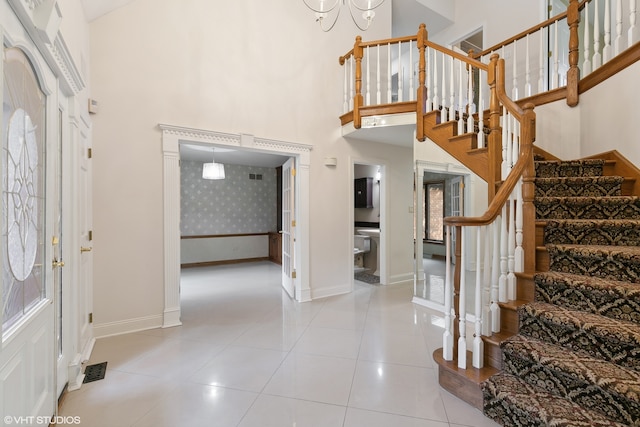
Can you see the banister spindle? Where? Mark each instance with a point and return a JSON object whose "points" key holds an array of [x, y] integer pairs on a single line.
{"points": [[471, 109], [351, 82], [505, 136], [478, 344], [597, 56], [511, 278], [486, 281], [480, 108], [586, 65], [368, 94], [443, 111], [378, 85], [460, 100], [462, 300], [430, 67], [632, 36], [556, 58], [514, 89], [436, 84], [345, 103], [400, 73], [617, 44], [502, 282], [527, 78], [495, 275], [541, 87], [412, 95], [606, 50], [447, 336], [452, 91], [519, 254], [389, 91]]}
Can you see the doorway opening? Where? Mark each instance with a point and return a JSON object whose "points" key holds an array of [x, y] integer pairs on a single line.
{"points": [[368, 209], [172, 140]]}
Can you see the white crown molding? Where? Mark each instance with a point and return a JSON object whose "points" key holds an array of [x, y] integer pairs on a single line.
{"points": [[200, 135], [57, 55]]}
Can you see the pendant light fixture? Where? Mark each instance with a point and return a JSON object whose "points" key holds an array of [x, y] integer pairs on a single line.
{"points": [[213, 170]]}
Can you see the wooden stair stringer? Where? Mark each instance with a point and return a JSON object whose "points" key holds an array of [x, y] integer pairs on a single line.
{"points": [[461, 147]]}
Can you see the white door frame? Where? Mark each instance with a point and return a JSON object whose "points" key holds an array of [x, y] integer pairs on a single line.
{"points": [[172, 136]]}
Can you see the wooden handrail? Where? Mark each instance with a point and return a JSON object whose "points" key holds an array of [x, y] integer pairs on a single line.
{"points": [[363, 45], [527, 118], [465, 58]]}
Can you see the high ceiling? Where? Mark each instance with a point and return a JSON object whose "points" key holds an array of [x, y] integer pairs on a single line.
{"points": [[407, 16]]}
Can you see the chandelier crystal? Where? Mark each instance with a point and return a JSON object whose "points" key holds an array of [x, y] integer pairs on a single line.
{"points": [[328, 11]]}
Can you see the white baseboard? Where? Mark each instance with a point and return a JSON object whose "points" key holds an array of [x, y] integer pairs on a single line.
{"points": [[401, 279], [332, 291], [127, 326], [171, 318]]}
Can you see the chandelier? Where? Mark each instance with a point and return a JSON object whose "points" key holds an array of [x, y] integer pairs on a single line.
{"points": [[330, 13]]}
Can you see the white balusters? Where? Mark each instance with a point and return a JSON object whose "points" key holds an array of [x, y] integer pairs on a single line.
{"points": [[632, 35], [460, 99], [511, 278], [351, 82], [480, 110], [617, 46], [527, 76], [519, 253], [486, 282], [597, 57], [412, 94], [462, 302], [400, 74], [556, 58], [586, 41], [541, 87], [436, 100], [345, 103], [606, 50], [378, 85], [495, 276], [514, 89], [471, 106], [452, 91], [368, 92], [478, 345], [389, 88], [431, 67], [447, 337], [443, 111], [502, 282]]}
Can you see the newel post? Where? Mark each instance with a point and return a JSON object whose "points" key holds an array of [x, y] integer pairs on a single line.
{"points": [[422, 90], [358, 100], [573, 74], [494, 144], [528, 136]]}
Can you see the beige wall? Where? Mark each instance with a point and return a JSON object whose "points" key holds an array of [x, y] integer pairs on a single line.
{"points": [[269, 72]]}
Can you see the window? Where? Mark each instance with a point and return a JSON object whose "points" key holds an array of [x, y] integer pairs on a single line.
{"points": [[434, 212]]}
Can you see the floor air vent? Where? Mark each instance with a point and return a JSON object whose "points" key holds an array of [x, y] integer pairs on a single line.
{"points": [[94, 372]]}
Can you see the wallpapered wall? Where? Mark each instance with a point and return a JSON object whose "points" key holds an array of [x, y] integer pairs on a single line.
{"points": [[234, 205]]}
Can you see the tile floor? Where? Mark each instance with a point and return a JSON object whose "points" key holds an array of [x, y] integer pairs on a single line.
{"points": [[247, 355]]}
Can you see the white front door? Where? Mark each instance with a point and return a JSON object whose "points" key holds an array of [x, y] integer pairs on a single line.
{"points": [[288, 227], [29, 344]]}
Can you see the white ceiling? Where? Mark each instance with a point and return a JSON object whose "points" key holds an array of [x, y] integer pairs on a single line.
{"points": [[200, 153]]}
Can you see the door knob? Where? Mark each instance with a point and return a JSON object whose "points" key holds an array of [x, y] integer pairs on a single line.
{"points": [[84, 249]]}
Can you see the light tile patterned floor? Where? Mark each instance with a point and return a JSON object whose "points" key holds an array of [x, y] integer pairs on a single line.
{"points": [[249, 356]]}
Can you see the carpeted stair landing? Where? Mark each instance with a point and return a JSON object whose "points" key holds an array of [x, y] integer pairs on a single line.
{"points": [[576, 358]]}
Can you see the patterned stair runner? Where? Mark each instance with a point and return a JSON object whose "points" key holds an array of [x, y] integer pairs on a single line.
{"points": [[576, 358]]}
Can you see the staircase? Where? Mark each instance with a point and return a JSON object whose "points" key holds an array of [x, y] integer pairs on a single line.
{"points": [[576, 358]]}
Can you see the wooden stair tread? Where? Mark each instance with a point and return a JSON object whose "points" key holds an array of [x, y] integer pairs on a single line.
{"points": [[463, 383]]}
